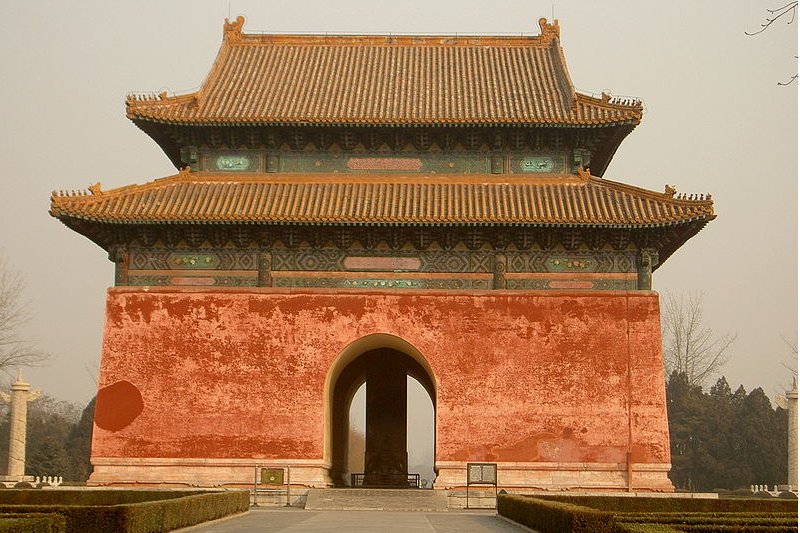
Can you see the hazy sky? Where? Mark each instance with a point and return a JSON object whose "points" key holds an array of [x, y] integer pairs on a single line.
{"points": [[715, 122]]}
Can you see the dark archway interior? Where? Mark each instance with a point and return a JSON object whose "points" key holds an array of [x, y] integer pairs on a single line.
{"points": [[384, 370]]}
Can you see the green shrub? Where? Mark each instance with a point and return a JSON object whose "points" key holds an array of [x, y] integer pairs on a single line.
{"points": [[625, 504], [553, 516], [32, 523], [167, 515], [153, 516], [631, 527], [675, 519], [737, 529], [79, 518], [88, 497]]}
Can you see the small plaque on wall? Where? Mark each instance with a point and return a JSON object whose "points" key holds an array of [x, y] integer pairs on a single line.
{"points": [[235, 163], [384, 163], [272, 476], [479, 473], [544, 164], [387, 264]]}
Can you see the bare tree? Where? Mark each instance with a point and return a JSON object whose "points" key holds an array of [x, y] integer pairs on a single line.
{"points": [[787, 13], [690, 346], [14, 350], [791, 364]]}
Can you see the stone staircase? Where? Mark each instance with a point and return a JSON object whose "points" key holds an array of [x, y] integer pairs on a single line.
{"points": [[376, 500]]}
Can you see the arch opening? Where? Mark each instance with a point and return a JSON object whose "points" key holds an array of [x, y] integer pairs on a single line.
{"points": [[384, 374]]}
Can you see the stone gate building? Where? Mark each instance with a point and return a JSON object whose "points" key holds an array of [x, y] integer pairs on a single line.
{"points": [[352, 209]]}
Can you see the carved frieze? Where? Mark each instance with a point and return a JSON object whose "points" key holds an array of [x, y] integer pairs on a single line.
{"points": [[314, 149], [440, 257]]}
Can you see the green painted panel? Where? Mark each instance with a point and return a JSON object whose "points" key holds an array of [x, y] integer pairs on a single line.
{"points": [[572, 264], [537, 164], [198, 261], [235, 163]]}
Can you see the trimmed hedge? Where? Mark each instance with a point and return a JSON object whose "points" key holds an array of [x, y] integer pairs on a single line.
{"points": [[33, 523], [553, 516], [662, 528], [736, 529], [755, 519], [708, 518], [167, 515], [601, 514], [89, 497], [147, 516], [645, 528], [626, 504]]}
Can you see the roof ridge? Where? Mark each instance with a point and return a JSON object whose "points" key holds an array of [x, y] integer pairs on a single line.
{"points": [[668, 194], [553, 33], [233, 32], [609, 101]]}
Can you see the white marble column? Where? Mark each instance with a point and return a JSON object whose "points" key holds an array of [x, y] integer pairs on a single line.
{"points": [[791, 401], [20, 396]]}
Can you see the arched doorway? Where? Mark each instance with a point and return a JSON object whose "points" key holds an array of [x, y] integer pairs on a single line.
{"points": [[384, 370]]}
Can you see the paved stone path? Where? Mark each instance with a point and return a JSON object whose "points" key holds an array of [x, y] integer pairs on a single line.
{"points": [[298, 520]]}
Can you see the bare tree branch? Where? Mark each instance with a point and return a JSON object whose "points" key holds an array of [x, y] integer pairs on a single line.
{"points": [[14, 351], [775, 15], [791, 366], [690, 347], [789, 10]]}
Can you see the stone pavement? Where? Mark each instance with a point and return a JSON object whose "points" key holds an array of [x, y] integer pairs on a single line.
{"points": [[298, 520], [376, 500]]}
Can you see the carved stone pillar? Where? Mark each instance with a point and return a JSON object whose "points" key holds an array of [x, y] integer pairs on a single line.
{"points": [[499, 269], [648, 259], [21, 394], [385, 457], [791, 401], [265, 269]]}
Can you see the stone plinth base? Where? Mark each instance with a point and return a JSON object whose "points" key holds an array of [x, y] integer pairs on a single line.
{"points": [[16, 479], [562, 476], [197, 472]]}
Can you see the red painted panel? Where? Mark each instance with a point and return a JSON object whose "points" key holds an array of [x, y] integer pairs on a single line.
{"points": [[521, 376]]}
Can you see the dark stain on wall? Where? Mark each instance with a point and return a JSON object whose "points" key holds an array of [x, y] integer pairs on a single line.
{"points": [[117, 406]]}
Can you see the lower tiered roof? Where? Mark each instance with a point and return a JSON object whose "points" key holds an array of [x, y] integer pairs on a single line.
{"points": [[391, 199]]}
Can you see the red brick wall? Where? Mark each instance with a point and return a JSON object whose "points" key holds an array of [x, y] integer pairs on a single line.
{"points": [[520, 376]]}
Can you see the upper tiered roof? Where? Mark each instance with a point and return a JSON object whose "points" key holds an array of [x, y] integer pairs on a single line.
{"points": [[386, 80]]}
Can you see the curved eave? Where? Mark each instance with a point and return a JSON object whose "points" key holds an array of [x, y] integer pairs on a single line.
{"points": [[377, 223], [557, 200], [441, 123]]}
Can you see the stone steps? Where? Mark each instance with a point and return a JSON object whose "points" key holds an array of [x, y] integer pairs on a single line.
{"points": [[376, 500]]}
